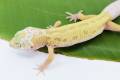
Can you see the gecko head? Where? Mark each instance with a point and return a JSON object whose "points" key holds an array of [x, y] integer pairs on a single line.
{"points": [[24, 39]]}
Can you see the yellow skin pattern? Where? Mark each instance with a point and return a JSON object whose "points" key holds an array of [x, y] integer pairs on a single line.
{"points": [[61, 36], [78, 32]]}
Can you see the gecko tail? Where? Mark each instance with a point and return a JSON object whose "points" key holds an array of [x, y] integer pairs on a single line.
{"points": [[113, 9]]}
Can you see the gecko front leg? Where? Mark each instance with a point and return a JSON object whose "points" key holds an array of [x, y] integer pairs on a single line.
{"points": [[56, 24], [49, 59]]}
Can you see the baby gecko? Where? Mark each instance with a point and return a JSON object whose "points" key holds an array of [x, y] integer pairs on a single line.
{"points": [[91, 26]]}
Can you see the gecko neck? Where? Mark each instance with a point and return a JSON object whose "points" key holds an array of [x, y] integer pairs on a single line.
{"points": [[39, 40]]}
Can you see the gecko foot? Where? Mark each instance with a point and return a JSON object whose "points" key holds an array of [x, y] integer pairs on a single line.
{"points": [[74, 17], [40, 69]]}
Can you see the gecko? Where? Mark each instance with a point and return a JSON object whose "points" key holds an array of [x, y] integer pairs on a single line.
{"points": [[58, 35]]}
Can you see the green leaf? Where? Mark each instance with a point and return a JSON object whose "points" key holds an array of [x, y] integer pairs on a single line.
{"points": [[18, 14]]}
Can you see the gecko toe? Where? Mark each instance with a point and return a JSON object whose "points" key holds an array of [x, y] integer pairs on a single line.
{"points": [[68, 13], [68, 17]]}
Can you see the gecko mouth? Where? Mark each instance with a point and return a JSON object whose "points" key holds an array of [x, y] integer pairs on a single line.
{"points": [[24, 52]]}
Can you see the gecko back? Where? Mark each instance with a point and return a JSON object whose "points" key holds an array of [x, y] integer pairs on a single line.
{"points": [[74, 33]]}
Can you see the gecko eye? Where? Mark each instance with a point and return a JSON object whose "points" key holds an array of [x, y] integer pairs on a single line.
{"points": [[16, 43], [19, 45], [31, 47]]}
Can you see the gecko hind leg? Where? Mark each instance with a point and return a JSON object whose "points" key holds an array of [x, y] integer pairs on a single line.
{"points": [[113, 26], [109, 25], [78, 16]]}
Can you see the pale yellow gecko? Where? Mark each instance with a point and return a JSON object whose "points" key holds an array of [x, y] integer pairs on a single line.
{"points": [[32, 38]]}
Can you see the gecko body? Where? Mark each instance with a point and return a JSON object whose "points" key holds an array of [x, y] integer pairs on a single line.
{"points": [[74, 33], [67, 35]]}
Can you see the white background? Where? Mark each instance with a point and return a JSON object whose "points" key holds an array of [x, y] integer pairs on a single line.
{"points": [[19, 65]]}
